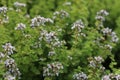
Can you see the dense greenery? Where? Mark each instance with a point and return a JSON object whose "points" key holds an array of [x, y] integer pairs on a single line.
{"points": [[59, 40]]}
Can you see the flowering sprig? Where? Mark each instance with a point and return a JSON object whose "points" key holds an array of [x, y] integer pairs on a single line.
{"points": [[20, 26], [95, 62], [40, 21], [106, 33], [12, 72], [109, 35], [51, 53], [61, 14], [101, 15], [52, 69], [9, 77], [3, 10], [77, 27], [80, 76], [12, 68], [114, 37], [111, 77], [51, 38], [18, 4], [8, 48]]}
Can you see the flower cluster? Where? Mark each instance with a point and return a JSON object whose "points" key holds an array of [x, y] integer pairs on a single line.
{"points": [[61, 14], [51, 38], [12, 68], [107, 34], [8, 48], [98, 59], [20, 26], [101, 15], [3, 9], [12, 72], [79, 25], [80, 76], [51, 53], [9, 77], [106, 31], [37, 21], [95, 62], [52, 69], [114, 37], [18, 4], [111, 77]]}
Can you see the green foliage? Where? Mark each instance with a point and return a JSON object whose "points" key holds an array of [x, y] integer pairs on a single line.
{"points": [[54, 43]]}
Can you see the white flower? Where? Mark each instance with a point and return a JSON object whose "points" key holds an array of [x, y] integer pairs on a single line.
{"points": [[20, 26], [52, 69], [79, 25], [49, 37], [106, 77], [58, 43], [114, 37], [12, 68], [1, 55], [51, 53], [99, 59], [80, 76], [18, 4], [8, 48], [117, 77], [106, 31], [92, 64], [37, 21], [3, 9], [9, 77], [61, 13], [101, 18], [9, 62], [103, 13]]}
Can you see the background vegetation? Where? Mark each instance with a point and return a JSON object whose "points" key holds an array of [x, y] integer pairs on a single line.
{"points": [[59, 40]]}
